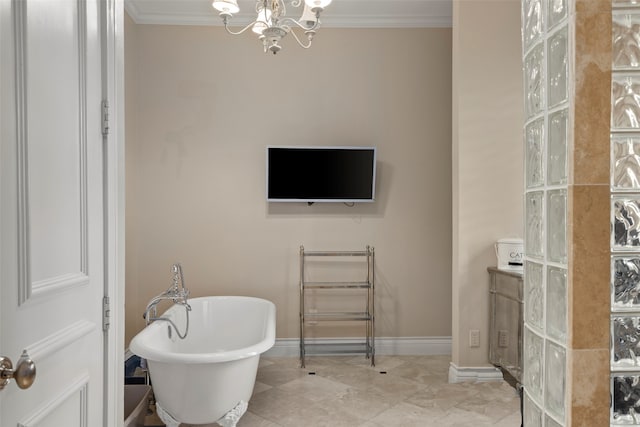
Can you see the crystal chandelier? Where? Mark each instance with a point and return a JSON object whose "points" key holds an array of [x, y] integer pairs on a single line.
{"points": [[272, 24]]}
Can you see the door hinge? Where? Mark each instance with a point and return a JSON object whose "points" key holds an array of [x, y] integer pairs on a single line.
{"points": [[105, 117], [106, 314]]}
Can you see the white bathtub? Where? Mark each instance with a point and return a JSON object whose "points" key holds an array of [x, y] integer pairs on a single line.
{"points": [[199, 379]]}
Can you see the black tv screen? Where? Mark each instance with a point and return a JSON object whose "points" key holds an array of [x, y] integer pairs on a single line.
{"points": [[321, 174]]}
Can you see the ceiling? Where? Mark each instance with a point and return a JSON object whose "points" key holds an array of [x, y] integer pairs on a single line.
{"points": [[341, 13]]}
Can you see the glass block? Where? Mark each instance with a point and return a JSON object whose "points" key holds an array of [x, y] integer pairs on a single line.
{"points": [[626, 224], [626, 399], [626, 43], [533, 24], [625, 337], [556, 12], [533, 363], [534, 295], [557, 303], [550, 422], [534, 214], [557, 150], [555, 378], [557, 226], [625, 283], [625, 158], [532, 413], [625, 102], [534, 134], [534, 81], [557, 68]]}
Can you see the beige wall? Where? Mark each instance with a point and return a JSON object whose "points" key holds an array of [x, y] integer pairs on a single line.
{"points": [[201, 108], [487, 158]]}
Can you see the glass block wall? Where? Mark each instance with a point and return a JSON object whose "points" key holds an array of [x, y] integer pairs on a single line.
{"points": [[546, 50], [625, 213], [580, 207]]}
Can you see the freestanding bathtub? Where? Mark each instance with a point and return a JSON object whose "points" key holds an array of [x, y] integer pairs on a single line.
{"points": [[201, 378]]}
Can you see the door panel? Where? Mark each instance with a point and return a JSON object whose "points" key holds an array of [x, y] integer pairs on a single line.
{"points": [[51, 211], [53, 142], [56, 196], [69, 408]]}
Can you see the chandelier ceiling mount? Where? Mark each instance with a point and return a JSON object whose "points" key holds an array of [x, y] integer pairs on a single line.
{"points": [[272, 23]]}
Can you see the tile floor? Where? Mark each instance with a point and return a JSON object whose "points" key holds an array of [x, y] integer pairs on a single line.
{"points": [[347, 392]]}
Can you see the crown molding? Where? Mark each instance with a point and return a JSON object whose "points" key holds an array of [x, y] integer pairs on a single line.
{"points": [[340, 14]]}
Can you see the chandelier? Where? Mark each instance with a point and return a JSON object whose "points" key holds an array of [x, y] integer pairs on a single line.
{"points": [[272, 22]]}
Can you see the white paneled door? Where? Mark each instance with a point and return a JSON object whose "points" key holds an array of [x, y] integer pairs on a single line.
{"points": [[52, 204]]}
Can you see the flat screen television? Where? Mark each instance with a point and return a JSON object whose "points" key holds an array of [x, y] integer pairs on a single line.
{"points": [[321, 174]]}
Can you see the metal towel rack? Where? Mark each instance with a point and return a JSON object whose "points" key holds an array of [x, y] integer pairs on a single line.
{"points": [[368, 286]]}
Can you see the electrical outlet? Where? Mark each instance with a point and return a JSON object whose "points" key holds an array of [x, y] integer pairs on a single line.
{"points": [[474, 338], [503, 338]]}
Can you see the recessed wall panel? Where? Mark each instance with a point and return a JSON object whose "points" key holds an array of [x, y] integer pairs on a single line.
{"points": [[69, 409], [53, 143]]}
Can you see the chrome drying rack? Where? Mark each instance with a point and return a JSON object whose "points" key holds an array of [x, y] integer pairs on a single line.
{"points": [[367, 346]]}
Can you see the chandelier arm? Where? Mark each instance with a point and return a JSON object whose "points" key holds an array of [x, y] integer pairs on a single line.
{"points": [[226, 27], [298, 24], [302, 45]]}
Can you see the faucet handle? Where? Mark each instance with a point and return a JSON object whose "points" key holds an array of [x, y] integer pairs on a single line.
{"points": [[178, 277]]}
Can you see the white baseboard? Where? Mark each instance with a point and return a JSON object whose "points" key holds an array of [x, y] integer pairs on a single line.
{"points": [[479, 374], [402, 346]]}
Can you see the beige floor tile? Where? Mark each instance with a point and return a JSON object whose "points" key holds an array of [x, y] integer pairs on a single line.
{"points": [[319, 416], [362, 404], [420, 374], [315, 387], [278, 374], [274, 404], [396, 388], [383, 363], [408, 415], [252, 420], [259, 387], [369, 424], [443, 396], [491, 409], [346, 392], [462, 418], [513, 420]]}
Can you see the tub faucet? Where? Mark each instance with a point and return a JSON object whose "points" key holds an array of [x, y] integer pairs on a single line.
{"points": [[176, 293]]}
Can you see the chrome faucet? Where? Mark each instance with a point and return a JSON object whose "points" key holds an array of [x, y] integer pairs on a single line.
{"points": [[176, 293]]}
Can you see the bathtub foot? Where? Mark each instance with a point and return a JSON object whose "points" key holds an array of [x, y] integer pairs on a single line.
{"points": [[230, 419], [233, 416], [166, 418]]}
